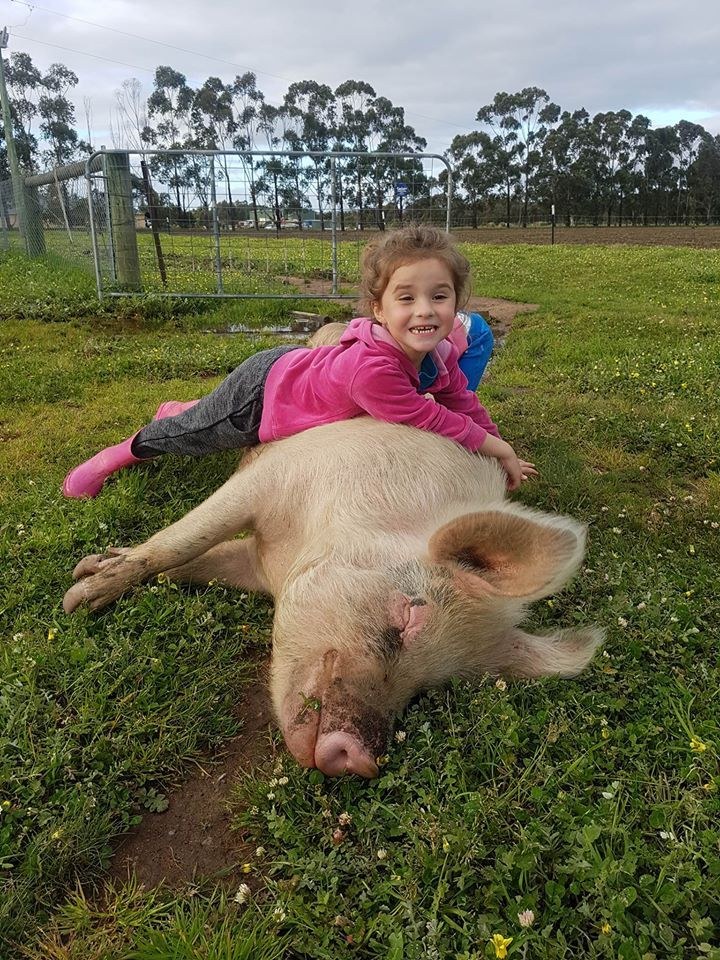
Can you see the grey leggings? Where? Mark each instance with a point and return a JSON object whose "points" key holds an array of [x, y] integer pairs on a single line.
{"points": [[226, 419]]}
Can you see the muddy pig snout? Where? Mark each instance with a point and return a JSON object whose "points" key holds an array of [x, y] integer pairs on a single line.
{"points": [[352, 735]]}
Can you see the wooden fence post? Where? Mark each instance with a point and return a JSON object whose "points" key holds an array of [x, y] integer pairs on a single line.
{"points": [[122, 220]]}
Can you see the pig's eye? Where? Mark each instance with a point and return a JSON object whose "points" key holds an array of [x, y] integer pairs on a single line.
{"points": [[390, 641]]}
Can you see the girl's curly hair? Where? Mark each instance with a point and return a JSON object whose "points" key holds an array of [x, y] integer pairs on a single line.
{"points": [[381, 258]]}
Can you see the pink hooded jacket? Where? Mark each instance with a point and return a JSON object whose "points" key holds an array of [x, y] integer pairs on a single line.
{"points": [[367, 373]]}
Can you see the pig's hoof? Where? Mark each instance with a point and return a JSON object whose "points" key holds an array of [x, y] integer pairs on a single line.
{"points": [[77, 595], [92, 564], [100, 579]]}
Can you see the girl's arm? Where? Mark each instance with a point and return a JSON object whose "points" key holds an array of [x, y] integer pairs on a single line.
{"points": [[456, 396], [384, 392]]}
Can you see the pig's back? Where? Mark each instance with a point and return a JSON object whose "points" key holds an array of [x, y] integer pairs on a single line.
{"points": [[364, 477]]}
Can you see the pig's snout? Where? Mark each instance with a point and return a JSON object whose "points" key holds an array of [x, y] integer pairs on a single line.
{"points": [[327, 725], [339, 753]]}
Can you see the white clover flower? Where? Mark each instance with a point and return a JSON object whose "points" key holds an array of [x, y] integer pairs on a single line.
{"points": [[400, 736], [526, 918], [641, 605], [500, 684], [271, 796], [279, 914], [345, 819], [243, 894], [260, 852], [382, 854], [282, 781], [622, 622]]}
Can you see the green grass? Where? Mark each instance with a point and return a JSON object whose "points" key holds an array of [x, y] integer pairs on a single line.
{"points": [[595, 802]]}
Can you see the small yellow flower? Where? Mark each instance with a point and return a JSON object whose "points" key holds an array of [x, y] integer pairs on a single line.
{"points": [[697, 745], [52, 633], [247, 868], [605, 928], [501, 944]]}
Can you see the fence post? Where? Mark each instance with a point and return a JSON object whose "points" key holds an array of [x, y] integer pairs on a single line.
{"points": [[216, 228], [33, 226], [122, 221], [333, 225]]}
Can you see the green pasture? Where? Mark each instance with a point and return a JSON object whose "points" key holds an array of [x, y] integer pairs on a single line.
{"points": [[594, 803]]}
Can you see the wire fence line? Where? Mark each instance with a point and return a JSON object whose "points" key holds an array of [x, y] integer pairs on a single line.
{"points": [[224, 224]]}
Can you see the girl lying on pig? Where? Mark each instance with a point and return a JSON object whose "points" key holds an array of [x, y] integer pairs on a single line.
{"points": [[398, 366]]}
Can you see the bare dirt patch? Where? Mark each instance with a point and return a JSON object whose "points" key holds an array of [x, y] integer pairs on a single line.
{"points": [[193, 838], [498, 313]]}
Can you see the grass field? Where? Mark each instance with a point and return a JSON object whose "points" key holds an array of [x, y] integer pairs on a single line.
{"points": [[593, 803]]}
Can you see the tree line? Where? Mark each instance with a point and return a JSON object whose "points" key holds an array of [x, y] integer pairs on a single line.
{"points": [[526, 157]]}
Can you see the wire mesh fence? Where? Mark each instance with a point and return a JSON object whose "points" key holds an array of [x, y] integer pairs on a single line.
{"points": [[256, 224]]}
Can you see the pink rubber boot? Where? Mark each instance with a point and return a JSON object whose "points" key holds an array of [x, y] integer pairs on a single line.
{"points": [[171, 408], [87, 480]]}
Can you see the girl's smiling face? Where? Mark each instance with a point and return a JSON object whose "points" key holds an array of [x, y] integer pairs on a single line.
{"points": [[417, 307]]}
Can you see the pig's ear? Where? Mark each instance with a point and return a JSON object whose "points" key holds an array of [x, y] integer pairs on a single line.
{"points": [[514, 553]]}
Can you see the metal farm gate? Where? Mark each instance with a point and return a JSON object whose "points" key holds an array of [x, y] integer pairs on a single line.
{"points": [[251, 225]]}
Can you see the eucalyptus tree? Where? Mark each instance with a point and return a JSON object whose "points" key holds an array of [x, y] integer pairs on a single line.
{"points": [[247, 103], [507, 148], [129, 119], [354, 99], [25, 86], [58, 116], [617, 145], [313, 106], [566, 176], [660, 174], [272, 184], [214, 126], [170, 106], [520, 122], [704, 178], [475, 167], [690, 138], [390, 134]]}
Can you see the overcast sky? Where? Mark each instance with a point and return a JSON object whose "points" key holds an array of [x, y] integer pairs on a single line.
{"points": [[442, 61]]}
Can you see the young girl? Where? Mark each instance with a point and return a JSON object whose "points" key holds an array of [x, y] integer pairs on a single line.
{"points": [[398, 366]]}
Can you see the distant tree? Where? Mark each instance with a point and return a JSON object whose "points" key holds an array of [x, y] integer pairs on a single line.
{"points": [[354, 99], [247, 102], [660, 175], [690, 138], [313, 106], [214, 125], [390, 134], [567, 173], [704, 178], [528, 116], [507, 148], [170, 105], [25, 86], [58, 117], [129, 121], [476, 171]]}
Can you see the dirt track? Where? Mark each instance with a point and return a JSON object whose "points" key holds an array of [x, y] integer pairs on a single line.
{"points": [[636, 236]]}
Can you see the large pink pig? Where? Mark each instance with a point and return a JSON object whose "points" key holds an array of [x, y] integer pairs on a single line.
{"points": [[395, 562]]}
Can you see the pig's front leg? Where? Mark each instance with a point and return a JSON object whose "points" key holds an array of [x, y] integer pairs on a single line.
{"points": [[102, 579]]}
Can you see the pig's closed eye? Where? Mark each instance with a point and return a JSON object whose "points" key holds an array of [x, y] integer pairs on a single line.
{"points": [[390, 641]]}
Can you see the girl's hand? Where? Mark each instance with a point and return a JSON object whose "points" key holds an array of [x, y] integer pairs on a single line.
{"points": [[527, 470], [517, 470]]}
